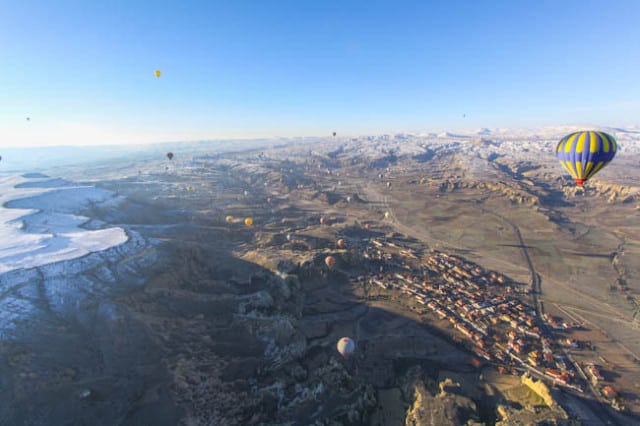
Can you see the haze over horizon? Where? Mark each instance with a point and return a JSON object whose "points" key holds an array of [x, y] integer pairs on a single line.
{"points": [[83, 73]]}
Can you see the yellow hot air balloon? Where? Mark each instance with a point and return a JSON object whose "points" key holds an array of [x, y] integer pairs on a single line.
{"points": [[157, 73], [248, 221], [387, 215], [229, 219]]}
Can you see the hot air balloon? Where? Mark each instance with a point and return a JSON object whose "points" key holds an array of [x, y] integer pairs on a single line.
{"points": [[289, 237], [323, 220], [28, 118], [346, 347], [170, 155], [330, 261], [157, 73], [334, 133], [585, 153], [341, 243], [248, 221], [387, 215], [229, 219]]}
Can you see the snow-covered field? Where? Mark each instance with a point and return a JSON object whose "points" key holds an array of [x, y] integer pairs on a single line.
{"points": [[39, 224]]}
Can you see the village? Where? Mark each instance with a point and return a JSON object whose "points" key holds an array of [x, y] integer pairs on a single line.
{"points": [[483, 311]]}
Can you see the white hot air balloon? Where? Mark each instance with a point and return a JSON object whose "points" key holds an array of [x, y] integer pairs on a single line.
{"points": [[346, 346]]}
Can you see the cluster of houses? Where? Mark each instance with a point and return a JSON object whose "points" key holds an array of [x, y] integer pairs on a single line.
{"points": [[482, 307], [485, 310]]}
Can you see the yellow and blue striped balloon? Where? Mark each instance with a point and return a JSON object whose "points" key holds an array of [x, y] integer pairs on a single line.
{"points": [[583, 154]]}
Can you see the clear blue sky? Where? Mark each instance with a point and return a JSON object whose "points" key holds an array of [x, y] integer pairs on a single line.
{"points": [[83, 70]]}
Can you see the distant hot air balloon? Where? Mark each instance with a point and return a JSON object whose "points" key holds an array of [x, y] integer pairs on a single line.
{"points": [[585, 153], [387, 215], [289, 237], [334, 133], [269, 200], [323, 220], [229, 219], [341, 243], [170, 155], [28, 118], [346, 347], [248, 221], [330, 261], [157, 73]]}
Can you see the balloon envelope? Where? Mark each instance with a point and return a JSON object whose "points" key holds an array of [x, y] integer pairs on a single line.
{"points": [[248, 221], [157, 73], [229, 219], [583, 154], [341, 243], [346, 347], [323, 220], [330, 261], [170, 155]]}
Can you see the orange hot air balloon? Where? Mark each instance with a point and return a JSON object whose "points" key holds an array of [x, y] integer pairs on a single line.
{"points": [[323, 220], [248, 221], [341, 243], [330, 261]]}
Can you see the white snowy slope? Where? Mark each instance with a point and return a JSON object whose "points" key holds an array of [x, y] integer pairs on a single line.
{"points": [[38, 225]]}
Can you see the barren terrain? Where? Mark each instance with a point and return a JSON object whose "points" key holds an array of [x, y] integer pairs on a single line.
{"points": [[199, 319]]}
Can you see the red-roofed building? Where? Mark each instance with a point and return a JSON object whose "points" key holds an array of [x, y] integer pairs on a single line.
{"points": [[609, 392]]}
